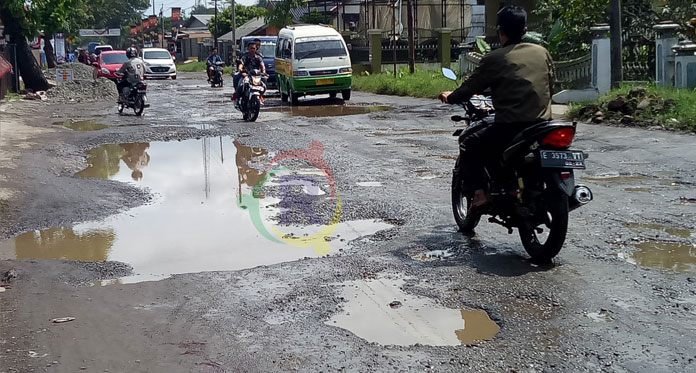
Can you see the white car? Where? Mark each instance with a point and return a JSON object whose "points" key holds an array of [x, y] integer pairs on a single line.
{"points": [[158, 63]]}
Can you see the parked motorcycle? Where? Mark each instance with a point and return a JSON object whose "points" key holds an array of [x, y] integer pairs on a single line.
{"points": [[531, 187], [217, 80], [253, 88], [135, 97]]}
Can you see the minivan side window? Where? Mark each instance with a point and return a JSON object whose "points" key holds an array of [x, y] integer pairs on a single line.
{"points": [[287, 48], [279, 47]]}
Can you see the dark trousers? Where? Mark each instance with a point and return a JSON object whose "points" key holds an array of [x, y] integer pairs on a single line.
{"points": [[481, 149], [236, 78], [121, 85]]}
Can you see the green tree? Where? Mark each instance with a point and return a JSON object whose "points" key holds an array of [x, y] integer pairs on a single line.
{"points": [[52, 16], [20, 22], [279, 16], [314, 17], [242, 14], [117, 14]]}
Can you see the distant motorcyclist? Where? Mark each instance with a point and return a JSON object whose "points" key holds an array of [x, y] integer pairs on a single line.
{"points": [[132, 70], [521, 78], [250, 60], [211, 62]]}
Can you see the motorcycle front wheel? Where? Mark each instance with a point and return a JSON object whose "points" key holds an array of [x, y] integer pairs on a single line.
{"points": [[544, 241], [254, 108], [120, 108], [460, 207], [139, 106]]}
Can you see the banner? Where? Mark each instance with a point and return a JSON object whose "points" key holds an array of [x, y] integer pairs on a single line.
{"points": [[101, 32], [59, 46], [153, 21], [176, 14], [145, 24], [133, 30]]}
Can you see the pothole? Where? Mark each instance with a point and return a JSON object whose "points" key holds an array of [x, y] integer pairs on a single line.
{"points": [[379, 311], [638, 189], [212, 212], [675, 256], [680, 232], [368, 183], [328, 110], [81, 125], [433, 255]]}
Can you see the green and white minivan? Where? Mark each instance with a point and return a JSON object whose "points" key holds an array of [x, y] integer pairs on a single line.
{"points": [[312, 60]]}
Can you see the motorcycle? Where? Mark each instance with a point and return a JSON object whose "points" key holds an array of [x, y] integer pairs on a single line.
{"points": [[251, 95], [531, 187], [216, 80], [135, 97]]}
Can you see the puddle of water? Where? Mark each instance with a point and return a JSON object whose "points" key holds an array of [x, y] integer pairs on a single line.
{"points": [[601, 316], [370, 314], [328, 110], [197, 222], [82, 125], [368, 183], [676, 256], [615, 177], [433, 255], [684, 233], [412, 132], [638, 189]]}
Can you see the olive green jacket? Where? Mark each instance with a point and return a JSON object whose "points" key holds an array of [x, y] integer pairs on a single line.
{"points": [[521, 79]]}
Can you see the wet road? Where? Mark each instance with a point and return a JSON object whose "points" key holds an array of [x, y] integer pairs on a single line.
{"points": [[321, 238]]}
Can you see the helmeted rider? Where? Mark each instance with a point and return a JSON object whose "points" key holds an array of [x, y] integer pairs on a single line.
{"points": [[211, 62], [133, 72], [520, 76], [249, 61]]}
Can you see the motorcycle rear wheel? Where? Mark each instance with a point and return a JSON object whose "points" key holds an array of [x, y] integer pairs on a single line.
{"points": [[254, 107], [460, 207], [120, 108], [556, 202], [139, 106]]}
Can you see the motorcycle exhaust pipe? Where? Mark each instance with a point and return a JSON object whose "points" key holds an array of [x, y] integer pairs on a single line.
{"points": [[582, 195]]}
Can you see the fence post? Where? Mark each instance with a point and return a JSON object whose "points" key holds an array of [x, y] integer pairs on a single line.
{"points": [[665, 39], [685, 65], [601, 59], [375, 50], [445, 37]]}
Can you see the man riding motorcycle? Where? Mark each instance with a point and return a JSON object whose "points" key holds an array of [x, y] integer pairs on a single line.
{"points": [[250, 60], [210, 63], [133, 71], [520, 76]]}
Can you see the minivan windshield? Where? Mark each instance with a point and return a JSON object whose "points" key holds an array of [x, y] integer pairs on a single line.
{"points": [[157, 55], [268, 49], [114, 57], [317, 48]]}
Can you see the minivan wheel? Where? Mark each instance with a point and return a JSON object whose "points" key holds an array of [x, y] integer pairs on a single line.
{"points": [[346, 94], [294, 97]]}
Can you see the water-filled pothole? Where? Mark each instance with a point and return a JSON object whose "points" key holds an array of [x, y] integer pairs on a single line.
{"points": [[82, 125], [676, 256], [209, 213], [328, 110], [379, 311]]}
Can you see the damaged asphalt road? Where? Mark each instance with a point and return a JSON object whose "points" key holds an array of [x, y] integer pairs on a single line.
{"points": [[111, 209]]}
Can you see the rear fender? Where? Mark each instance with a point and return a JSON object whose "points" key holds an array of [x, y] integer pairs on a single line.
{"points": [[553, 179]]}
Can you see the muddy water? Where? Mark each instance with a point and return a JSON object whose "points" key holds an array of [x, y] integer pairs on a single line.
{"points": [[82, 125], [328, 110], [371, 312], [202, 217], [679, 257]]}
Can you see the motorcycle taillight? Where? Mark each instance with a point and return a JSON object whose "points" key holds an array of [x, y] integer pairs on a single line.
{"points": [[142, 85], [560, 137]]}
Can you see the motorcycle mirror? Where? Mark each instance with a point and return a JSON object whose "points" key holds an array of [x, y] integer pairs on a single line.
{"points": [[449, 74]]}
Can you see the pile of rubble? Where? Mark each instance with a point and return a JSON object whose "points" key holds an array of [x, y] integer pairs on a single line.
{"points": [[637, 108], [101, 89], [80, 71]]}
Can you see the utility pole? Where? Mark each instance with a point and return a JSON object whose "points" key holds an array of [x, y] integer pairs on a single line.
{"points": [[234, 35], [411, 46], [394, 34], [162, 20], [216, 29], [615, 42]]}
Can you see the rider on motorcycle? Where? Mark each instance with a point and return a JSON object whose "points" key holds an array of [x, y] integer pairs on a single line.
{"points": [[133, 71], [520, 76], [250, 60], [210, 63]]}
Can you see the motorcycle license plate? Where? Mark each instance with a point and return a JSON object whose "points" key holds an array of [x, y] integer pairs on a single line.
{"points": [[562, 159], [325, 81]]}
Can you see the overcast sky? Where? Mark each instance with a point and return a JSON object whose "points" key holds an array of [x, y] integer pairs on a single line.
{"points": [[169, 4]]}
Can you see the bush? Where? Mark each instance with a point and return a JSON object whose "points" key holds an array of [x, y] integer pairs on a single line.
{"points": [[421, 83]]}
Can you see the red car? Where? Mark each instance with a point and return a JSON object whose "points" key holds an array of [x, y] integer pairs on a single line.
{"points": [[108, 62]]}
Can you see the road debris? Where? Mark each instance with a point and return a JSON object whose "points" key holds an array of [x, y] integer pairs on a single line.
{"points": [[62, 319]]}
